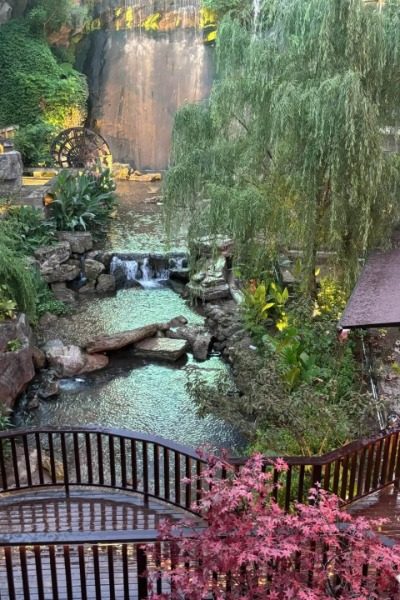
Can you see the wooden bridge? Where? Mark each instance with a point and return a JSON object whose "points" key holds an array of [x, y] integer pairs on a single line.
{"points": [[77, 504]]}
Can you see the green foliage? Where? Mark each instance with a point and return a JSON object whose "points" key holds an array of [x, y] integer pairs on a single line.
{"points": [[7, 305], [302, 392], [288, 152], [27, 229], [36, 90], [83, 201], [34, 141], [17, 279], [261, 302], [45, 300], [48, 16], [14, 345]]}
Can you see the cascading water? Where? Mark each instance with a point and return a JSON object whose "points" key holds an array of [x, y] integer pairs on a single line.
{"points": [[143, 272], [256, 16], [141, 67]]}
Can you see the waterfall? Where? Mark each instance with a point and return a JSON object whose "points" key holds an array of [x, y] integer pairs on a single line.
{"points": [[147, 271], [256, 16]]}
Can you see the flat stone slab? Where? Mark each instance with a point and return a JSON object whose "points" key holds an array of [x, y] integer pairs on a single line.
{"points": [[161, 349]]}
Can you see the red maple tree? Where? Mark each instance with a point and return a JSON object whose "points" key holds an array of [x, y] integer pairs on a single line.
{"points": [[251, 549]]}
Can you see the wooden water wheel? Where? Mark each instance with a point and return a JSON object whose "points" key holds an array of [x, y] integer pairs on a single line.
{"points": [[79, 147]]}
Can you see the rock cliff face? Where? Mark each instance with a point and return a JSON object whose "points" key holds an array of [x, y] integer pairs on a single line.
{"points": [[139, 76]]}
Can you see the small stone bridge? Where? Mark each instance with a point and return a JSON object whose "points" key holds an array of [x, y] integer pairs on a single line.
{"points": [[77, 504]]}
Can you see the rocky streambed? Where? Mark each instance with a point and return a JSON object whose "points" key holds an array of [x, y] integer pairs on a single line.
{"points": [[93, 367]]}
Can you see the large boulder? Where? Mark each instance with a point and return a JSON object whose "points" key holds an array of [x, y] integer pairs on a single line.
{"points": [[116, 341], [80, 241], [105, 284], [62, 293], [16, 366], [11, 169], [72, 360], [160, 348], [57, 273], [198, 339], [56, 254], [93, 269]]}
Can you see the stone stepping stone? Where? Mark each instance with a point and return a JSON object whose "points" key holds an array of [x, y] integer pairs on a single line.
{"points": [[161, 349]]}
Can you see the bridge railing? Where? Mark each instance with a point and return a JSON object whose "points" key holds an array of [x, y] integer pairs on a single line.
{"points": [[105, 458], [351, 472], [161, 469]]}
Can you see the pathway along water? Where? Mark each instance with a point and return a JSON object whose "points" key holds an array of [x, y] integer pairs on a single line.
{"points": [[133, 393]]}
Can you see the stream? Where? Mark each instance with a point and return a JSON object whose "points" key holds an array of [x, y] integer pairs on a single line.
{"points": [[134, 393]]}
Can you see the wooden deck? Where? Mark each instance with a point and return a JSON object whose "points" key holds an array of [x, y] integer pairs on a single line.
{"points": [[57, 570], [384, 504]]}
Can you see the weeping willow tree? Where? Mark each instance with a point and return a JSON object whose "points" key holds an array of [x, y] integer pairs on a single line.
{"points": [[288, 151]]}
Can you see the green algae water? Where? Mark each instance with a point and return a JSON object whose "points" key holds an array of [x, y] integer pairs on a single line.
{"points": [[133, 393]]}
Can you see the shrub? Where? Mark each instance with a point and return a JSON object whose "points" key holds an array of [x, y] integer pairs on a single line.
{"points": [[35, 88], [251, 549], [34, 141], [17, 278], [27, 229], [83, 201]]}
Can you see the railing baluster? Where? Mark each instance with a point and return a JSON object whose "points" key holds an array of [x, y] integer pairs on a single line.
{"points": [[53, 570], [288, 487], [361, 474], [353, 469], [68, 574], [99, 439], [10, 573], [345, 470], [24, 572], [156, 460], [336, 474], [111, 579], [123, 461], [112, 459], [393, 453], [327, 477], [199, 486], [39, 571], [134, 465], [3, 471], [385, 460], [188, 484], [166, 474], [65, 463], [15, 462], [300, 488], [275, 480], [177, 471], [377, 466], [77, 458], [370, 465], [27, 460], [141, 560], [89, 459], [145, 472], [38, 444], [52, 460], [96, 572], [82, 572], [125, 571]]}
